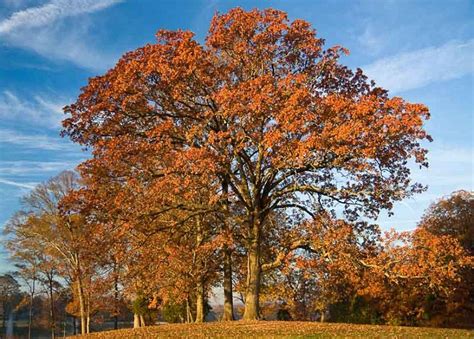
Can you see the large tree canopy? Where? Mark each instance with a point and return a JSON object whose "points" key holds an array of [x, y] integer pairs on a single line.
{"points": [[261, 116]]}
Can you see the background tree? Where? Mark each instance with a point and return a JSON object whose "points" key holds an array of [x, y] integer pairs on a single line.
{"points": [[29, 262], [61, 237], [453, 216], [36, 264], [29, 276], [413, 269], [9, 296]]}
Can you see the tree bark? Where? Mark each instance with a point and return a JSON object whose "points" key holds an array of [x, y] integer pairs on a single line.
{"points": [[80, 293], [227, 261], [200, 302], [88, 312], [116, 299], [30, 313], [142, 321], [189, 315], [199, 264], [252, 295], [228, 297], [136, 320], [51, 306]]}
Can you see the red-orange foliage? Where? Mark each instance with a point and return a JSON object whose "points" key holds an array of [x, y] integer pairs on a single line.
{"points": [[453, 217], [403, 278], [416, 277]]}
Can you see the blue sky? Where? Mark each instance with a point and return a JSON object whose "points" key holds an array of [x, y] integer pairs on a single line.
{"points": [[420, 50]]}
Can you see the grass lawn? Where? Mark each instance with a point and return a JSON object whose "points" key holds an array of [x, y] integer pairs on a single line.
{"points": [[286, 329]]}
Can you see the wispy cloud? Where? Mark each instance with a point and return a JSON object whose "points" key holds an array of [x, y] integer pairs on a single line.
{"points": [[20, 168], [42, 30], [421, 67], [34, 141], [27, 185], [51, 12], [41, 111], [450, 168]]}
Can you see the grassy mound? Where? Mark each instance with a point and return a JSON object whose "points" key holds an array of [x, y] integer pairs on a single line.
{"points": [[287, 329]]}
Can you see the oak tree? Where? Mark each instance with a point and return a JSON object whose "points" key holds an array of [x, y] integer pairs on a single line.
{"points": [[273, 119]]}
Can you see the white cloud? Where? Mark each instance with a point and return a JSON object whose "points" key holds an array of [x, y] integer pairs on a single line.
{"points": [[34, 141], [421, 67], [42, 29], [51, 12], [40, 111], [27, 185], [20, 167]]}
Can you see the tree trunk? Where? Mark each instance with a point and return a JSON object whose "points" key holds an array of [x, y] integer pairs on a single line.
{"points": [[199, 264], [30, 316], [200, 302], [82, 311], [189, 315], [323, 315], [228, 297], [74, 329], [116, 299], [51, 307], [227, 261], [142, 321], [88, 313], [30, 312], [252, 294], [136, 320], [88, 306]]}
